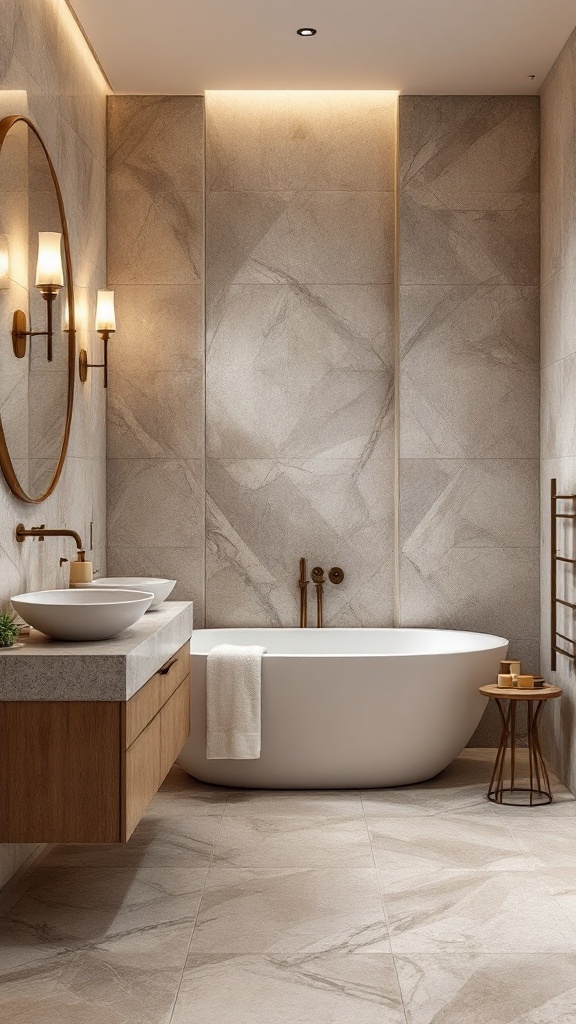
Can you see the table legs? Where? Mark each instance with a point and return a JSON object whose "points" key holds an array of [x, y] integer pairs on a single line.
{"points": [[538, 792]]}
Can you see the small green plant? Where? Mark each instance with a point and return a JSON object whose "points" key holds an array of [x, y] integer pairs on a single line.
{"points": [[9, 630]]}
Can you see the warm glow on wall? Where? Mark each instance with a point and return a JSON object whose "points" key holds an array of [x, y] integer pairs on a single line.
{"points": [[4, 262]]}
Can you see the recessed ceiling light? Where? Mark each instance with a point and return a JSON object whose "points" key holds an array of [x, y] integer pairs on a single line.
{"points": [[306, 31]]}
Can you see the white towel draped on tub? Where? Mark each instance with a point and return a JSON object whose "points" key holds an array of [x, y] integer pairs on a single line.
{"points": [[233, 702]]}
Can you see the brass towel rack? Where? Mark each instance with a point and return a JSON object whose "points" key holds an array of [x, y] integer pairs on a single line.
{"points": [[555, 558]]}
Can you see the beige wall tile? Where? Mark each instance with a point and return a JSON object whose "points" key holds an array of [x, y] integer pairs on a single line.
{"points": [[45, 58]]}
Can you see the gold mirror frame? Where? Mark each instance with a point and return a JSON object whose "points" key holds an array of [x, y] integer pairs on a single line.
{"points": [[6, 464]]}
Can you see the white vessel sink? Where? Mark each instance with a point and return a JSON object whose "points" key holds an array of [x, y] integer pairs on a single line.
{"points": [[94, 614], [160, 588]]}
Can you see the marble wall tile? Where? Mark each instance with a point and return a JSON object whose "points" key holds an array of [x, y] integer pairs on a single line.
{"points": [[300, 353], [156, 522], [314, 140], [263, 515], [155, 143], [155, 263], [469, 369], [155, 239], [486, 246], [558, 314], [304, 237], [141, 429], [462, 564], [469, 181], [469, 378], [142, 491], [558, 154], [183, 564], [48, 72], [151, 319], [558, 437], [300, 371], [140, 366]]}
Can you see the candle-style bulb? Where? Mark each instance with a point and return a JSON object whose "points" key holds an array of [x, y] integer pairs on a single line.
{"points": [[105, 314], [49, 271]]}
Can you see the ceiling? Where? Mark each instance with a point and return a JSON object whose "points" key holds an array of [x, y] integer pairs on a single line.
{"points": [[416, 46]]}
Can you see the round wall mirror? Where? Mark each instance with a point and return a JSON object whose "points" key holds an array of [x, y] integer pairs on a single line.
{"points": [[37, 340]]}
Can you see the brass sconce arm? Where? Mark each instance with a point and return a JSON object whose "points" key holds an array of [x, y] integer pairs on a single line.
{"points": [[19, 325], [84, 365]]}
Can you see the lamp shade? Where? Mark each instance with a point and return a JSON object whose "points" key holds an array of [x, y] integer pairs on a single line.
{"points": [[49, 267], [105, 315]]}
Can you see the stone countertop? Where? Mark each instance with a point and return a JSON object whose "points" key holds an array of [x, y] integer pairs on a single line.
{"points": [[44, 669]]}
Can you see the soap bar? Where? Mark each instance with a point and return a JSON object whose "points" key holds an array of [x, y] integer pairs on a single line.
{"points": [[526, 682], [505, 681]]}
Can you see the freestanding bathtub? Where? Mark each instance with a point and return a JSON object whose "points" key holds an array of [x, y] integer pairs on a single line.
{"points": [[350, 708]]}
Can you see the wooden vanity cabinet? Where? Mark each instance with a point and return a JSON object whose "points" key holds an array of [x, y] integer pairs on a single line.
{"points": [[85, 771]]}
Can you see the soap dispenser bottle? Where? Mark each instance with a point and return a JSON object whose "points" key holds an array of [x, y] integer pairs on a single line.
{"points": [[80, 570]]}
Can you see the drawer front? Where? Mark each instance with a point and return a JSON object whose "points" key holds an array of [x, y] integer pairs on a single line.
{"points": [[174, 726], [144, 705], [142, 775]]}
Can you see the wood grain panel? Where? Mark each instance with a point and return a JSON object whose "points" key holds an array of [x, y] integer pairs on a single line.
{"points": [[142, 707], [59, 772], [142, 776], [174, 727]]}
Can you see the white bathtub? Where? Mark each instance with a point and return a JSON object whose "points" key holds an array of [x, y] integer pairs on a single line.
{"points": [[350, 708]]}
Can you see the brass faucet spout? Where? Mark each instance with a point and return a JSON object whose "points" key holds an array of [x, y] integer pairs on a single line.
{"points": [[40, 532]]}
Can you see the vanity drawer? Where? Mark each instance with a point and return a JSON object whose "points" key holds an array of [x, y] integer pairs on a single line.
{"points": [[142, 707], [174, 726], [142, 776], [150, 757]]}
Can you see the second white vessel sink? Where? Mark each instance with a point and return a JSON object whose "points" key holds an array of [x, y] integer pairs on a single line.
{"points": [[93, 614], [160, 588]]}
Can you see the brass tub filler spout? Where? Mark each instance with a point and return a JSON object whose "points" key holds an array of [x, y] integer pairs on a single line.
{"points": [[303, 585]]}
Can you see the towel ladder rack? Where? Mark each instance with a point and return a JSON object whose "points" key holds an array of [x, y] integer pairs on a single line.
{"points": [[555, 635]]}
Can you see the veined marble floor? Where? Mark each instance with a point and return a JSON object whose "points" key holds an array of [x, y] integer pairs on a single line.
{"points": [[424, 905]]}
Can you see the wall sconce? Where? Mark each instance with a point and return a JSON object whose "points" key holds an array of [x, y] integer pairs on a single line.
{"points": [[49, 281], [105, 326], [4, 262]]}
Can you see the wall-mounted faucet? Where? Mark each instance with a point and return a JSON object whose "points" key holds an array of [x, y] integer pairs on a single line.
{"points": [[80, 570], [335, 575]]}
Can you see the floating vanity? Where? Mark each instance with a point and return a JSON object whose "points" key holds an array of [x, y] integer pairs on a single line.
{"points": [[89, 731]]}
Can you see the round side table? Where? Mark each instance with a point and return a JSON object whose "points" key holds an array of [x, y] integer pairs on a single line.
{"points": [[538, 792]]}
